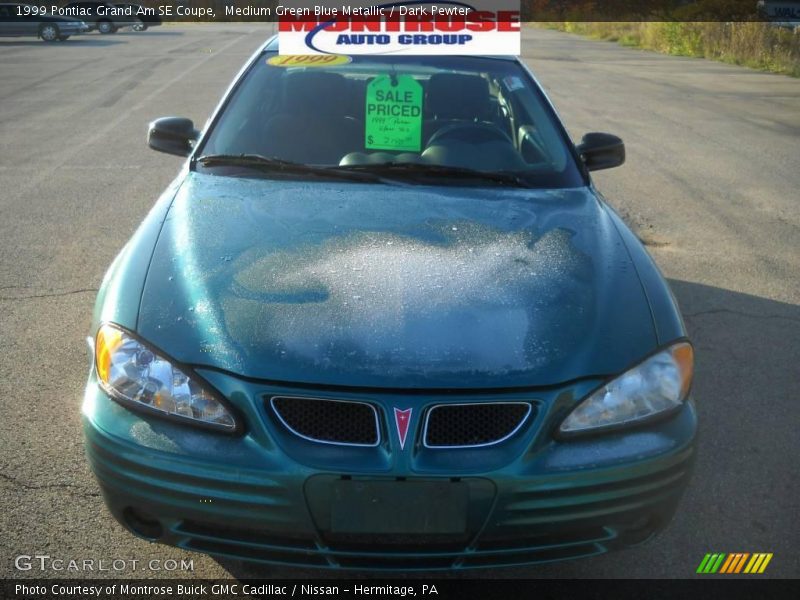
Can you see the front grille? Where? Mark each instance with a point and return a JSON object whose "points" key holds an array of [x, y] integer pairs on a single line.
{"points": [[471, 425], [329, 421]]}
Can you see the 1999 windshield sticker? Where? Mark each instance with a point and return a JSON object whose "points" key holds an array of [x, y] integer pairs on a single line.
{"points": [[308, 60], [394, 114]]}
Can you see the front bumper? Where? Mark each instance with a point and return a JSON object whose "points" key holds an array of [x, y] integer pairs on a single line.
{"points": [[249, 497]]}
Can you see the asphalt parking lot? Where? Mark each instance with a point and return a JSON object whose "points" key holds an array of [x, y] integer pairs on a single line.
{"points": [[711, 185]]}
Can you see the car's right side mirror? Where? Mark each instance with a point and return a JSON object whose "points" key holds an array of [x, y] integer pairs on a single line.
{"points": [[173, 135], [601, 151]]}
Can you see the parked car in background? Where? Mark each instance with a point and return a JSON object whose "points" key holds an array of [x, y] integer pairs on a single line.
{"points": [[145, 20], [17, 20], [782, 13], [104, 17]]}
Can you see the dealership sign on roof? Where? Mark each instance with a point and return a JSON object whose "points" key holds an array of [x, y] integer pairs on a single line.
{"points": [[448, 27]]}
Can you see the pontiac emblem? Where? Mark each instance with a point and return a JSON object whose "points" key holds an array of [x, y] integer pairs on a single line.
{"points": [[402, 418]]}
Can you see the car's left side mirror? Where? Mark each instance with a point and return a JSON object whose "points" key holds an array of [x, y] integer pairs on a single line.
{"points": [[173, 135], [601, 151]]}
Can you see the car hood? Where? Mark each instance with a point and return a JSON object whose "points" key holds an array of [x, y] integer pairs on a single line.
{"points": [[393, 286]]}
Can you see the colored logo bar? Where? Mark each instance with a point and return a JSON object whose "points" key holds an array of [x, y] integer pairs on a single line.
{"points": [[734, 563]]}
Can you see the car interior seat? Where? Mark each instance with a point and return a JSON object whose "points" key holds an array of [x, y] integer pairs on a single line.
{"points": [[462, 127], [312, 125], [456, 97]]}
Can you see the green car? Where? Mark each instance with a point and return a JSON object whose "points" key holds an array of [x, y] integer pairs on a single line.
{"points": [[382, 319]]}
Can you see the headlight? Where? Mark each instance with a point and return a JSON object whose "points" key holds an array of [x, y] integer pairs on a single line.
{"points": [[656, 386], [138, 377]]}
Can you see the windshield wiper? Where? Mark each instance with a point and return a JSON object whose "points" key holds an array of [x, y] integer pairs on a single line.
{"points": [[367, 172], [393, 169], [267, 164]]}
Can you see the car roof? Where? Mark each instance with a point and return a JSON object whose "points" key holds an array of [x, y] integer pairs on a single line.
{"points": [[271, 45]]}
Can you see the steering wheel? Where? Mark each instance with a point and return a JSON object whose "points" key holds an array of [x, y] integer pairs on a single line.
{"points": [[471, 133]]}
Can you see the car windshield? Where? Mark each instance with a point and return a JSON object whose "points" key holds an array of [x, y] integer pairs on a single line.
{"points": [[419, 118]]}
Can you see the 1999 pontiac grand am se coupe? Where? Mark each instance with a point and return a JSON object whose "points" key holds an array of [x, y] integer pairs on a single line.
{"points": [[382, 319]]}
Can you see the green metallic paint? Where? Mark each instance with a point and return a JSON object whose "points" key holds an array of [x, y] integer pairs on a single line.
{"points": [[264, 494], [185, 281], [625, 485], [121, 290], [394, 287]]}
